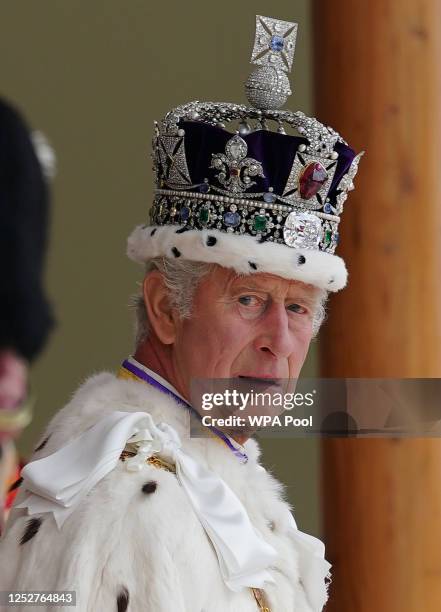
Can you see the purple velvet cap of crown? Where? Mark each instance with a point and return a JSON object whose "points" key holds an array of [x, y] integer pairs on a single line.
{"points": [[274, 151]]}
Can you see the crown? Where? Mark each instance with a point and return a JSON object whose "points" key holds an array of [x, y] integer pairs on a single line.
{"points": [[259, 172]]}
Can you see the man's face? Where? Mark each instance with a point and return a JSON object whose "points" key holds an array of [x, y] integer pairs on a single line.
{"points": [[256, 326]]}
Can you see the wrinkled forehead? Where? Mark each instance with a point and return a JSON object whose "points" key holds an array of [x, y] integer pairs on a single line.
{"points": [[230, 282]]}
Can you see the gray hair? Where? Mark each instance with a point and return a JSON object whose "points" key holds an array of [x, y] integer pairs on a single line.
{"points": [[182, 278]]}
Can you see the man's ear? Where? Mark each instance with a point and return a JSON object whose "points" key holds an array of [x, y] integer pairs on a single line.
{"points": [[161, 315]]}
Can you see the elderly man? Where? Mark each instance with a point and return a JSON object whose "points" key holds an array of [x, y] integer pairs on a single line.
{"points": [[120, 506]]}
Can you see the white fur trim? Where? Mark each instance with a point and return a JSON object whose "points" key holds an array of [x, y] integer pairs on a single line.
{"points": [[242, 253], [153, 545]]}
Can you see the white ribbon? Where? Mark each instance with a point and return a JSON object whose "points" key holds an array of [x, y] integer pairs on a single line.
{"points": [[59, 482]]}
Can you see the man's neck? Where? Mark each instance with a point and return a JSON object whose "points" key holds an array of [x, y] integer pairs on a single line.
{"points": [[161, 363]]}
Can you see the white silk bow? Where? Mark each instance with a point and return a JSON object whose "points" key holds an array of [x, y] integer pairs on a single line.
{"points": [[59, 482]]}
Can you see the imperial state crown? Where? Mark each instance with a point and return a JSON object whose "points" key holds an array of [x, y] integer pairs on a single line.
{"points": [[255, 188]]}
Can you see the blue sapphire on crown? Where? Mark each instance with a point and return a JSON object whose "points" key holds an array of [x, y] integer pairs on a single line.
{"points": [[277, 43]]}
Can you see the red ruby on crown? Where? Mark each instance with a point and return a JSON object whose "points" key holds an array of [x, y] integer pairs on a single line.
{"points": [[311, 180]]}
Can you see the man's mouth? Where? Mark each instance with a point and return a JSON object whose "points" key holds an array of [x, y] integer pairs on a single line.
{"points": [[260, 379]]}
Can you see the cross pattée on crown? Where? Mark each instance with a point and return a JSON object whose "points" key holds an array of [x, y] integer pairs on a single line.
{"points": [[274, 43]]}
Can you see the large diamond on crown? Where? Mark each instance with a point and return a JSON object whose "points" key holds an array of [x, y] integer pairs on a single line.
{"points": [[302, 230]]}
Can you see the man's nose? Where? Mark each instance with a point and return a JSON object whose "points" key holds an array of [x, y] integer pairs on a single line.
{"points": [[274, 334]]}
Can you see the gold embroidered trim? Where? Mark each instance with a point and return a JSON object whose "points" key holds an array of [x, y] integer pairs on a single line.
{"points": [[153, 460]]}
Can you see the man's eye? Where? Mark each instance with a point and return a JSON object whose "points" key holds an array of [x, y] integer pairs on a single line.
{"points": [[297, 308], [249, 300]]}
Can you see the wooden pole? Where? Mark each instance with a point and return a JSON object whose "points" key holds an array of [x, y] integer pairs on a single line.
{"points": [[378, 82]]}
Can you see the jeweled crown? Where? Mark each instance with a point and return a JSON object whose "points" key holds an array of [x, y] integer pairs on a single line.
{"points": [[258, 177]]}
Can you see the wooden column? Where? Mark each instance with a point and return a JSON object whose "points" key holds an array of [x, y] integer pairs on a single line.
{"points": [[378, 82]]}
